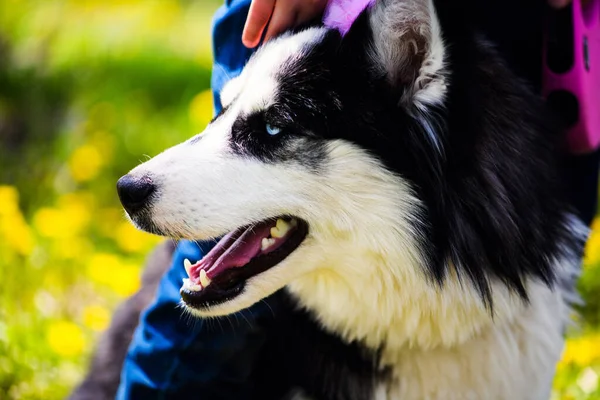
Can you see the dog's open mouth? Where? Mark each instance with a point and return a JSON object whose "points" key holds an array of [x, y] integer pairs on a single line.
{"points": [[237, 257]]}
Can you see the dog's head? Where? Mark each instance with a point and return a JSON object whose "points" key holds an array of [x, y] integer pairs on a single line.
{"points": [[333, 155]]}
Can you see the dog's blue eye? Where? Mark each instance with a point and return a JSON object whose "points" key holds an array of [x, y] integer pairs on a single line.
{"points": [[273, 130]]}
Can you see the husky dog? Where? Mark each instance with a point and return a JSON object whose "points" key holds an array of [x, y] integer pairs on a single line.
{"points": [[400, 189]]}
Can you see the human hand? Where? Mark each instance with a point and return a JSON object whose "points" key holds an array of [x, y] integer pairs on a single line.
{"points": [[279, 15]]}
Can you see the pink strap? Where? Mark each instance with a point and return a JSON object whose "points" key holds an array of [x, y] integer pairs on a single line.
{"points": [[340, 14]]}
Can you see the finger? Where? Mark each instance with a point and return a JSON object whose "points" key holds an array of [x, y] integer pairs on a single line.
{"points": [[258, 18], [284, 17], [559, 3]]}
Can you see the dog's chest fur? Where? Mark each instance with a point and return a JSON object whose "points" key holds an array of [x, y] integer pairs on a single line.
{"points": [[300, 360]]}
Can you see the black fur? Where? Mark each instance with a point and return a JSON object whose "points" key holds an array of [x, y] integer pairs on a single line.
{"points": [[300, 354], [249, 137]]}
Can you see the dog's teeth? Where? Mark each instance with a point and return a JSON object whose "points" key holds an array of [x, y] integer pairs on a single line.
{"points": [[187, 265], [280, 229], [204, 279], [188, 285], [266, 243], [195, 288], [282, 225]]}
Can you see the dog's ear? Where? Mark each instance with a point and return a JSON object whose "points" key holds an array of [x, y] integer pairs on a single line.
{"points": [[402, 41]]}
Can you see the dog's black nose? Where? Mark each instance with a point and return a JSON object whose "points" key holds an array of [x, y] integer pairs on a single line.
{"points": [[134, 192]]}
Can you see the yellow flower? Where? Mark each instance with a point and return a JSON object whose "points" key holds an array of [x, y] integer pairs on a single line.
{"points": [[71, 248], [592, 247], [9, 200], [101, 267], [14, 231], [126, 279], [68, 220], [85, 163], [581, 351], [65, 338], [96, 317], [109, 270], [201, 109], [20, 237], [133, 240]]}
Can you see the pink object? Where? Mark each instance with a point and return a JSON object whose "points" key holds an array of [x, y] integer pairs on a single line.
{"points": [[578, 82], [340, 14]]}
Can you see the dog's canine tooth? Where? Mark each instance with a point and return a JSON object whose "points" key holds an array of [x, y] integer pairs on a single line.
{"points": [[187, 264], [280, 229], [204, 279]]}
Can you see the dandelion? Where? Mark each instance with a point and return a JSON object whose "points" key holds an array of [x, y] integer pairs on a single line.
{"points": [[108, 269], [133, 240], [126, 279], [85, 163], [592, 247], [96, 317], [101, 267], [13, 228], [581, 351], [65, 339], [69, 219], [9, 200], [71, 248]]}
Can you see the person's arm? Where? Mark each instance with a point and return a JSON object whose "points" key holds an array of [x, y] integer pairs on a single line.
{"points": [[173, 355]]}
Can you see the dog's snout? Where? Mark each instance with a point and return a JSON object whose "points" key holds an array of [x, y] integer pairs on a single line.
{"points": [[134, 193]]}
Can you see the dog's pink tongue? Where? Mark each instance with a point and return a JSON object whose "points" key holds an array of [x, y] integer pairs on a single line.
{"points": [[235, 249]]}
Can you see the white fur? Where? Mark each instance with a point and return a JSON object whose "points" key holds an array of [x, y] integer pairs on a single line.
{"points": [[257, 83], [513, 359]]}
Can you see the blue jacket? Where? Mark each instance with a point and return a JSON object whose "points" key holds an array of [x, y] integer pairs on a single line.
{"points": [[174, 355]]}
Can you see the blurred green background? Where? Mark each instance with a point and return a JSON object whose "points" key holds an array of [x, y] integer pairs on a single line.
{"points": [[88, 88]]}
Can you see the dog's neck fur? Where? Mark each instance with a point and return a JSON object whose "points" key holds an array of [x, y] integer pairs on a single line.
{"points": [[389, 298], [427, 336], [438, 344], [426, 333]]}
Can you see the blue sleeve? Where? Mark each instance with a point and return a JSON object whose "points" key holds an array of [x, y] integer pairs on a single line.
{"points": [[173, 354]]}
